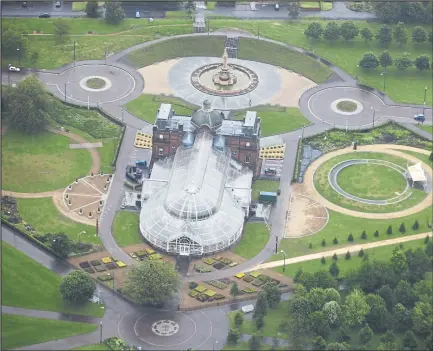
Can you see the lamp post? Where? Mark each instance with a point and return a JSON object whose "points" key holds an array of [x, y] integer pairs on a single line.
{"points": [[79, 235], [213, 345], [75, 43], [105, 50], [284, 266], [374, 113], [100, 332], [258, 31], [425, 97], [276, 244], [9, 74], [123, 110], [384, 74], [19, 57], [65, 89], [357, 73]]}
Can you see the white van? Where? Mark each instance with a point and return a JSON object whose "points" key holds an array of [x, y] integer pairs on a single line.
{"points": [[277, 7], [137, 14]]}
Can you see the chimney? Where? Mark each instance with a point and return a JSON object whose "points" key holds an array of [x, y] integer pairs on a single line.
{"points": [[180, 127], [155, 128]]}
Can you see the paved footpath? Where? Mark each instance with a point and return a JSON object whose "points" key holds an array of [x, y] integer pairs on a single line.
{"points": [[342, 251]]}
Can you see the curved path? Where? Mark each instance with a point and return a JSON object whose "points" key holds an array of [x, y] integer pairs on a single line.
{"points": [[386, 148], [96, 165], [57, 79]]}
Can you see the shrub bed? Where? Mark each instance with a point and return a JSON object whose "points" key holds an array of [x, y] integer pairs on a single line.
{"points": [[248, 279], [217, 284], [111, 265], [100, 268], [105, 278], [155, 257], [202, 297], [218, 297], [150, 251], [84, 264], [209, 261], [255, 274], [192, 285], [201, 269], [249, 290], [193, 293], [257, 282], [219, 265], [106, 260], [200, 289], [210, 293], [89, 270], [95, 263], [264, 278]]}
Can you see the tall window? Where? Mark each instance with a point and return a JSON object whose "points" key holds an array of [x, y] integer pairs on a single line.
{"points": [[161, 152], [247, 159]]}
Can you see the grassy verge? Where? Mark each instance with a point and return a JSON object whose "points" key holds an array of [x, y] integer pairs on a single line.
{"points": [[422, 157], [125, 229], [264, 185], [19, 331], [182, 47], [277, 119], [79, 6], [41, 162], [378, 254], [402, 86], [243, 345], [93, 347], [324, 188], [427, 128], [253, 240], [340, 226], [146, 107], [43, 216], [278, 55], [28, 284]]}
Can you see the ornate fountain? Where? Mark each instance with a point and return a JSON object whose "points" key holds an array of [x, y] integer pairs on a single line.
{"points": [[224, 76]]}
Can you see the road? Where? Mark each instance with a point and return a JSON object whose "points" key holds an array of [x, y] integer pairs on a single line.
{"points": [[158, 9]]}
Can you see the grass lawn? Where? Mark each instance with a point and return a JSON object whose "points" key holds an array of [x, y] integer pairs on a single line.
{"points": [[19, 331], [146, 107], [406, 87], [79, 6], [278, 55], [182, 47], [272, 320], [427, 128], [49, 161], [28, 284], [366, 183], [422, 157], [242, 346], [211, 5], [253, 240], [93, 347], [264, 185], [43, 216], [125, 229], [277, 119], [382, 253], [340, 226]]}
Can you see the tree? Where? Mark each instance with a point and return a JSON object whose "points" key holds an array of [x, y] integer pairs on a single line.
{"points": [[297, 275], [348, 256], [60, 244], [234, 290], [233, 336], [314, 30], [78, 286], [384, 35], [344, 333], [418, 264], [254, 342], [427, 238], [364, 235], [429, 342], [92, 10], [151, 282], [415, 225], [335, 241], [361, 253], [318, 343], [349, 30], [419, 35], [389, 230], [355, 308], [323, 279], [338, 346], [332, 295], [261, 305], [400, 34], [402, 318], [423, 290], [366, 34], [323, 242], [273, 294], [369, 60], [260, 322], [61, 28], [376, 233], [334, 270], [28, 106], [403, 293], [403, 62], [350, 237], [385, 59], [372, 275], [332, 31], [422, 317], [429, 249], [334, 257], [293, 8], [409, 341], [365, 334], [332, 312], [114, 13], [239, 319], [318, 324], [310, 245], [402, 228], [398, 261], [317, 298], [299, 309], [190, 6], [323, 260], [13, 39], [422, 63], [378, 316], [387, 341], [430, 36], [386, 293]]}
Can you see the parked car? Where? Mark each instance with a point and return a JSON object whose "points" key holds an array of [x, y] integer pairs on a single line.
{"points": [[270, 171], [14, 69], [419, 118], [44, 15], [58, 4], [141, 163], [277, 7], [137, 13], [24, 4]]}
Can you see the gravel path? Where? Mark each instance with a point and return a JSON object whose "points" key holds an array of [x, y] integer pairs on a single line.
{"points": [[388, 149]]}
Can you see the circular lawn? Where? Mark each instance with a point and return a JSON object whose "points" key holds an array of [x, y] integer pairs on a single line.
{"points": [[347, 106], [95, 83], [41, 162]]}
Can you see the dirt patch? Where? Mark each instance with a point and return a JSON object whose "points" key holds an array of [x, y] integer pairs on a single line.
{"points": [[156, 77], [305, 216]]}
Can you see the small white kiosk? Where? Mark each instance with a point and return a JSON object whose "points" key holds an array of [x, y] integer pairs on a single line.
{"points": [[416, 174]]}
